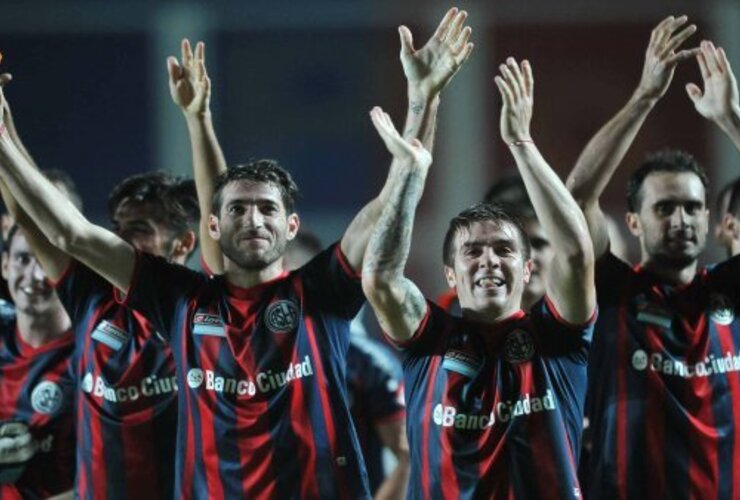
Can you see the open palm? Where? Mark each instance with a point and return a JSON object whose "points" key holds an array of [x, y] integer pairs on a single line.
{"points": [[190, 86]]}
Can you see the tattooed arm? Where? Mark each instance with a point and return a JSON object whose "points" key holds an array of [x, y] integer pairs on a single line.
{"points": [[428, 70], [397, 301]]}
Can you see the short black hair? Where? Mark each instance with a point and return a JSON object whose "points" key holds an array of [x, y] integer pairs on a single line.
{"points": [[668, 160], [9, 238], [733, 205], [174, 198], [262, 171], [511, 193], [482, 212], [57, 176]]}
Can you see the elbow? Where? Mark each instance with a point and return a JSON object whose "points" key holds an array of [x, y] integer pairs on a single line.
{"points": [[376, 285], [582, 255]]}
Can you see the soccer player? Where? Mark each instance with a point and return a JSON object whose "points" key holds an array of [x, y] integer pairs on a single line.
{"points": [[374, 391], [495, 398], [260, 353], [663, 369], [727, 230], [124, 371]]}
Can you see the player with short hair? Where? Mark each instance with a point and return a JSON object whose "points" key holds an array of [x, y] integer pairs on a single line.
{"points": [[495, 398], [663, 369], [727, 230], [260, 353]]}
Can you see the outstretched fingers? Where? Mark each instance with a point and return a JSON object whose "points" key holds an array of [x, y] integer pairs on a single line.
{"points": [[407, 40], [441, 33]]}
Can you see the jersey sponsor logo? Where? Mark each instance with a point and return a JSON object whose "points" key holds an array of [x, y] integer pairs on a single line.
{"points": [[518, 346], [282, 316], [464, 363], [504, 411], [668, 365], [47, 397], [149, 387], [208, 324], [264, 382], [721, 309], [109, 334]]}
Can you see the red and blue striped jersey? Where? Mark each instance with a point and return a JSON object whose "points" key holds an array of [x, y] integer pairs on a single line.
{"points": [[664, 397], [126, 401], [495, 410], [375, 387], [36, 389], [263, 404]]}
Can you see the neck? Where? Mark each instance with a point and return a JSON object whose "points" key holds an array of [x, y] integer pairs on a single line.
{"points": [[734, 248], [671, 274], [490, 316], [247, 278], [39, 329]]}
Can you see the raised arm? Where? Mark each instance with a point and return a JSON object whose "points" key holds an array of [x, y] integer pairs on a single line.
{"points": [[60, 221], [428, 70], [570, 285], [52, 260], [719, 101], [190, 88], [606, 150], [398, 303]]}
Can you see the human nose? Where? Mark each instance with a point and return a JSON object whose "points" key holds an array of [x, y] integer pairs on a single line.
{"points": [[254, 217], [37, 272], [679, 217], [489, 259]]}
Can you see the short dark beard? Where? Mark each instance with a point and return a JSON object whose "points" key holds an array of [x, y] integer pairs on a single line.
{"points": [[236, 256]]}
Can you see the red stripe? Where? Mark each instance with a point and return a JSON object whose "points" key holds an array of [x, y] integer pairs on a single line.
{"points": [[427, 410], [702, 440], [321, 382], [450, 487], [655, 394], [207, 403], [540, 443], [493, 466], [726, 342], [254, 440], [188, 450], [622, 364]]}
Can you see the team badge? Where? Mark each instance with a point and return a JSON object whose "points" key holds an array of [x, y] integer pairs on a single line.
{"points": [[195, 378], [282, 316], [518, 346], [721, 309], [46, 397]]}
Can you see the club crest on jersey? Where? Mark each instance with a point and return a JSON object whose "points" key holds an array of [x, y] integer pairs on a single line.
{"points": [[109, 334], [465, 363], [208, 324], [721, 309], [46, 397], [281, 316], [518, 346]]}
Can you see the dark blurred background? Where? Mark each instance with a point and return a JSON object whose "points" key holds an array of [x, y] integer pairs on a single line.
{"points": [[295, 81]]}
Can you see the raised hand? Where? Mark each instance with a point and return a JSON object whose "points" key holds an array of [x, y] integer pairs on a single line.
{"points": [[430, 68], [719, 99], [190, 86], [401, 149], [663, 55], [516, 85]]}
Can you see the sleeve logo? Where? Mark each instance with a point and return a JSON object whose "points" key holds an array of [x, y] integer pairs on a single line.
{"points": [[518, 346], [721, 309], [282, 316], [46, 397]]}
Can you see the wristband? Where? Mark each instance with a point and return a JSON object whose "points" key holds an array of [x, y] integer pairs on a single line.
{"points": [[520, 142]]}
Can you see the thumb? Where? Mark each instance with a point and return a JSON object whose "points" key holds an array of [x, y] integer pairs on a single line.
{"points": [[416, 143], [694, 92], [5, 78], [407, 40]]}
